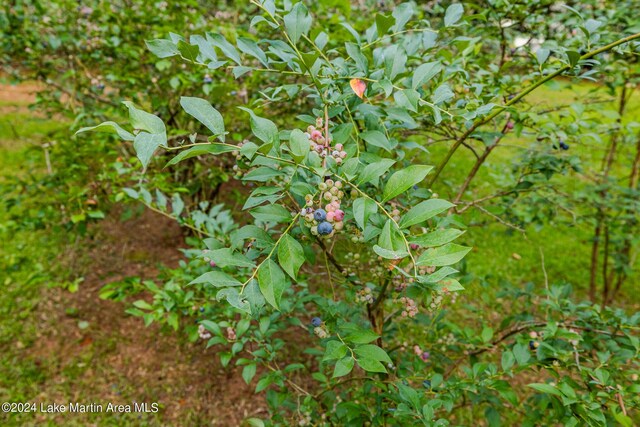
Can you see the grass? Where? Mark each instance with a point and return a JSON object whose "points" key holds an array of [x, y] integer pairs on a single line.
{"points": [[27, 271], [500, 252]]}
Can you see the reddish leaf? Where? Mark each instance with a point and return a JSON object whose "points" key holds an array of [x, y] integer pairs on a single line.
{"points": [[358, 87]]}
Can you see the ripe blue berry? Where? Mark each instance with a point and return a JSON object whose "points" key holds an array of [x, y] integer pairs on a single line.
{"points": [[316, 321], [564, 145], [533, 344], [320, 215], [325, 228]]}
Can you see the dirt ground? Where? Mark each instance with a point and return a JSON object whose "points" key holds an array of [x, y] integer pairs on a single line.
{"points": [[114, 357], [143, 364]]}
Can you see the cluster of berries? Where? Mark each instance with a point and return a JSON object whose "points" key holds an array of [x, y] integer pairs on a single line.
{"points": [[325, 222], [424, 355], [237, 172], [364, 295], [426, 270], [357, 238], [318, 143], [319, 328], [447, 340], [410, 308], [436, 301], [231, 334], [400, 282], [203, 333], [305, 419], [395, 213]]}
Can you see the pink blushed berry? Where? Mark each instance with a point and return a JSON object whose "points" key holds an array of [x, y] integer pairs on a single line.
{"points": [[212, 263], [338, 215]]}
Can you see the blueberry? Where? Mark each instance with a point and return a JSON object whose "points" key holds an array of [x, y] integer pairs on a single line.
{"points": [[316, 321], [201, 309], [325, 228], [426, 384], [320, 215], [564, 145], [533, 344]]}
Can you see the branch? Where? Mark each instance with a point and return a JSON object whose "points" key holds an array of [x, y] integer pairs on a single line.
{"points": [[517, 98]]}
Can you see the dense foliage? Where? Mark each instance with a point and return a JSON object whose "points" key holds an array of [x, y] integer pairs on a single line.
{"points": [[333, 282]]}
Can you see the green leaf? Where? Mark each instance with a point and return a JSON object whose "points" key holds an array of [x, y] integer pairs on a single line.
{"points": [[521, 352], [354, 52], [144, 121], [143, 305], [383, 23], [444, 255], [448, 285], [261, 174], [254, 296], [361, 336], [233, 297], [205, 114], [574, 57], [250, 47], [508, 359], [227, 48], [271, 213], [391, 238], [335, 350], [373, 171], [402, 13], [299, 145], [225, 257], [264, 129], [188, 51], [389, 254], [297, 22], [545, 388], [290, 255], [438, 275], [217, 279], [436, 238], [162, 48], [424, 73], [272, 282], [146, 144], [442, 94], [395, 62], [109, 127], [377, 138], [453, 14], [248, 372], [424, 211], [370, 351], [254, 422], [343, 367], [371, 365], [362, 209], [199, 150], [486, 334], [404, 179]]}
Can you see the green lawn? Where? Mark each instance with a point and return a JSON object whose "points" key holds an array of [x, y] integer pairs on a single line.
{"points": [[566, 246]]}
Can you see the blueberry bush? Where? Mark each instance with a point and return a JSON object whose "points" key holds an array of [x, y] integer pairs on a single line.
{"points": [[333, 278]]}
